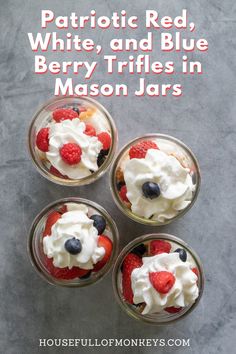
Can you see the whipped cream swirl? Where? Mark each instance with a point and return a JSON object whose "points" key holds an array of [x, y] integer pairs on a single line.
{"points": [[72, 131], [73, 223], [183, 293], [174, 181]]}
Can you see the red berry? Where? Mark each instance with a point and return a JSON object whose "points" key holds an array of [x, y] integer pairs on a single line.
{"points": [[123, 194], [162, 281], [105, 139], [195, 270], [159, 246], [63, 209], [61, 114], [42, 139], [106, 243], [139, 150], [64, 273], [89, 130], [131, 262], [55, 172], [51, 220], [71, 153], [173, 309]]}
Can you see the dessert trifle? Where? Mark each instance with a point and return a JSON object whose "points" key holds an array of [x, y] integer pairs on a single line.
{"points": [[158, 278], [72, 140], [155, 179], [73, 242]]}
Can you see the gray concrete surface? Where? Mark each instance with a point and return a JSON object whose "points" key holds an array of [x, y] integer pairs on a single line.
{"points": [[204, 118]]}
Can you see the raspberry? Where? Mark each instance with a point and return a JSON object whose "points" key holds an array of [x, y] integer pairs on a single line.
{"points": [[71, 153], [131, 262], [105, 139], [123, 194], [173, 309], [159, 246], [64, 273], [139, 150], [106, 243], [61, 114], [162, 281], [56, 173], [89, 130], [42, 139]]}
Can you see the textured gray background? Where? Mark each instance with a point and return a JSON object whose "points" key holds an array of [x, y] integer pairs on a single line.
{"points": [[204, 118]]}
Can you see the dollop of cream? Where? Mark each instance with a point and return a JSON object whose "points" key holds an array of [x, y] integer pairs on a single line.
{"points": [[74, 223], [72, 131], [183, 293], [174, 181]]}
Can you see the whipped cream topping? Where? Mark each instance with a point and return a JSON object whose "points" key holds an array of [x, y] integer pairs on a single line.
{"points": [[183, 293], [174, 181], [73, 223], [99, 122], [72, 131]]}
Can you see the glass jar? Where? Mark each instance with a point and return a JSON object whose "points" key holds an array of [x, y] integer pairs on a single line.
{"points": [[49, 162], [43, 264], [142, 245], [174, 151]]}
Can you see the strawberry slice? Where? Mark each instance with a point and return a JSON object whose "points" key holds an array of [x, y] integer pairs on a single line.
{"points": [[195, 271], [173, 309], [106, 243], [56, 173], [42, 139], [123, 194], [65, 273], [159, 246], [131, 262], [51, 220]]}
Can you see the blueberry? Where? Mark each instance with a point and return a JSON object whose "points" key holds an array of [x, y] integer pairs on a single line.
{"points": [[76, 110], [99, 222], [151, 190], [182, 254], [73, 246], [104, 152], [139, 250], [101, 158]]}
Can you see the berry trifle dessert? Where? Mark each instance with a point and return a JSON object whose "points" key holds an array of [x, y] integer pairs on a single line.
{"points": [[157, 278], [72, 140], [73, 242], [155, 179]]}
